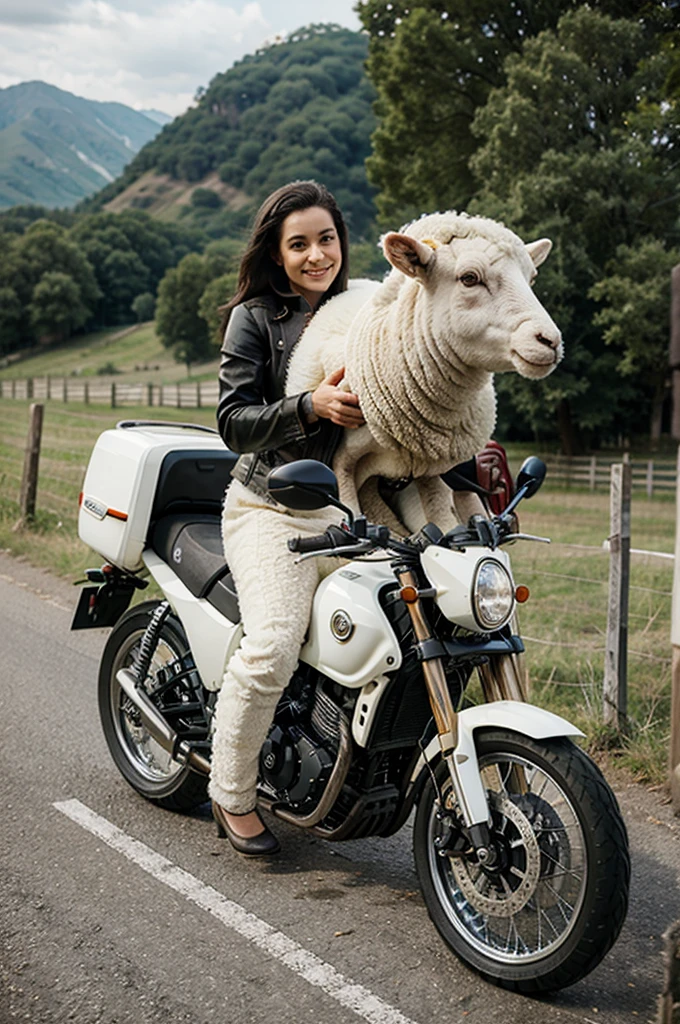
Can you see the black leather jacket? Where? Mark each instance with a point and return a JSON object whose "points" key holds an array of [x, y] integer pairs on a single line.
{"points": [[253, 413]]}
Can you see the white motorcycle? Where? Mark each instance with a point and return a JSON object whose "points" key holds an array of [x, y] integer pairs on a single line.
{"points": [[519, 844]]}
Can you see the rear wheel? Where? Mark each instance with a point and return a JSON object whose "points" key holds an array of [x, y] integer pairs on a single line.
{"points": [[175, 688], [555, 900]]}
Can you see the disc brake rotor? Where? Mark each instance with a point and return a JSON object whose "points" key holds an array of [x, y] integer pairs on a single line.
{"points": [[493, 895]]}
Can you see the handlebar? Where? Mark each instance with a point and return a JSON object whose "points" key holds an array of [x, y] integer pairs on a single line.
{"points": [[334, 537], [479, 532]]}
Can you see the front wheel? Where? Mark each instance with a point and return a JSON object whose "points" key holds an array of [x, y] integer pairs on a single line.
{"points": [[554, 902]]}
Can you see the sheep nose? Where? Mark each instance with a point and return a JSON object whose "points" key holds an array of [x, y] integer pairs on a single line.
{"points": [[550, 342]]}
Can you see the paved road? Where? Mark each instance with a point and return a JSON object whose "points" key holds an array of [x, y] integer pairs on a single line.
{"points": [[96, 927]]}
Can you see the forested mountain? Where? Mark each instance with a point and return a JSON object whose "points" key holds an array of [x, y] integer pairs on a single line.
{"points": [[56, 148], [301, 108]]}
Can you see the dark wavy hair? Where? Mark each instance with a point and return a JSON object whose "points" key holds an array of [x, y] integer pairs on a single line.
{"points": [[258, 266]]}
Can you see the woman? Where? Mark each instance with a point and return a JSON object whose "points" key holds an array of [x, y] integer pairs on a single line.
{"points": [[295, 260]]}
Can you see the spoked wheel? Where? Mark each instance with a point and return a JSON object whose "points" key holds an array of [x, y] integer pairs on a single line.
{"points": [[174, 686], [553, 903]]}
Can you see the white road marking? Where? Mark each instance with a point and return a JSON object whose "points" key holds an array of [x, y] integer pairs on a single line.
{"points": [[278, 945]]}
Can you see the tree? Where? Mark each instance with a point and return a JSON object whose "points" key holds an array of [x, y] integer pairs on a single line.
{"points": [[129, 252], [434, 63], [144, 307], [10, 320], [634, 301], [46, 246], [216, 294], [432, 70], [57, 306], [205, 199], [580, 144], [178, 321], [43, 248]]}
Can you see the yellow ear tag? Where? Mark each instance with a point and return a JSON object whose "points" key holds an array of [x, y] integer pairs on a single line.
{"points": [[431, 242]]}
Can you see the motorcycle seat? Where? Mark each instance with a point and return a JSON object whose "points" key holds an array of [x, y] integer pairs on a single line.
{"points": [[191, 544]]}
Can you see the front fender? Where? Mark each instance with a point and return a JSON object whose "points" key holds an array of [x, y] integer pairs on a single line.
{"points": [[525, 719]]}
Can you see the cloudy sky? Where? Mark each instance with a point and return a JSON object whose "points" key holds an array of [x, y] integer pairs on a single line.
{"points": [[145, 53]]}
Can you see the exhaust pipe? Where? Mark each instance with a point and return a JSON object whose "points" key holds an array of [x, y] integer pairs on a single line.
{"points": [[157, 727]]}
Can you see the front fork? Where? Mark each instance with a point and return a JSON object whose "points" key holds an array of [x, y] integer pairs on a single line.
{"points": [[457, 749]]}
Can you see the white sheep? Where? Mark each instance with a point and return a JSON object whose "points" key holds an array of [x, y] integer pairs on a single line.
{"points": [[420, 350]]}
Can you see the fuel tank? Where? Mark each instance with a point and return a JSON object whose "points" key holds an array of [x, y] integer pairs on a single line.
{"points": [[350, 639]]}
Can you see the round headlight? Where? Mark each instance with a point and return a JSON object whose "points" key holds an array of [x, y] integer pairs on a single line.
{"points": [[493, 594]]}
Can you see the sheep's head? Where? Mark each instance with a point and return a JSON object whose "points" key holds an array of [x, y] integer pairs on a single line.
{"points": [[473, 280]]}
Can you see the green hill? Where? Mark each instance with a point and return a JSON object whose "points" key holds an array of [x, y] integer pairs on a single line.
{"points": [[57, 148], [296, 109]]}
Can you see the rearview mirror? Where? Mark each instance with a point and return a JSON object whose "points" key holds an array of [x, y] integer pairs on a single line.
{"points": [[531, 476], [305, 485]]}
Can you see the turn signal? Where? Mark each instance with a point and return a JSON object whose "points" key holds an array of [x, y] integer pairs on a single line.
{"points": [[521, 594], [408, 594]]}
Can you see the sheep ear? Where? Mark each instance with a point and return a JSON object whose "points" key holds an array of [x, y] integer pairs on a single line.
{"points": [[539, 250], [407, 254]]}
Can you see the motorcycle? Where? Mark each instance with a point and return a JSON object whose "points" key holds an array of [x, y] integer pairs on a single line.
{"points": [[519, 845]]}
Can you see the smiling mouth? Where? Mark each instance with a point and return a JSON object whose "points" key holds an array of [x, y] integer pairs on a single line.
{"points": [[319, 272]]}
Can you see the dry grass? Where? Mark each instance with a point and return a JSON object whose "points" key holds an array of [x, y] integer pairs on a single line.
{"points": [[69, 433], [564, 623]]}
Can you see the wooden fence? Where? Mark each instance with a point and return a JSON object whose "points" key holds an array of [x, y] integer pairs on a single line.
{"points": [[590, 472], [594, 473], [184, 395]]}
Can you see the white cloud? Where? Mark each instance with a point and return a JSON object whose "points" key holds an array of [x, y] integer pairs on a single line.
{"points": [[33, 12], [144, 53]]}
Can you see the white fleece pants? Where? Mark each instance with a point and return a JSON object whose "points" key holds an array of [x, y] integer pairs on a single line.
{"points": [[275, 596]]}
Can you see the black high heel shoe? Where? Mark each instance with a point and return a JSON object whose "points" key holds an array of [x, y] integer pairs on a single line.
{"points": [[265, 844]]}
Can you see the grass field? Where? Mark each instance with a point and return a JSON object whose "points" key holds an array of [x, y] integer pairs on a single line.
{"points": [[136, 353], [563, 623]]}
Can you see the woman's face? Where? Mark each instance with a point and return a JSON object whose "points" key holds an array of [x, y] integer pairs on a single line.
{"points": [[309, 252]]}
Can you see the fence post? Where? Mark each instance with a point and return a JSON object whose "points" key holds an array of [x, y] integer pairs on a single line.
{"points": [[14, 389], [149, 395], [675, 670], [29, 388], [86, 392], [29, 480], [650, 479], [179, 398], [198, 395], [615, 687], [592, 473], [674, 353], [113, 395]]}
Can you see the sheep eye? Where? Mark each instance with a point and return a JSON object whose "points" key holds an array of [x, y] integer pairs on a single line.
{"points": [[470, 279]]}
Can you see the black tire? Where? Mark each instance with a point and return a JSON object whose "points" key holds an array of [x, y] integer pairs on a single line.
{"points": [[147, 768], [563, 897]]}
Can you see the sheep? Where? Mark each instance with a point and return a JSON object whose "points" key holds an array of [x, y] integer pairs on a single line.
{"points": [[420, 350]]}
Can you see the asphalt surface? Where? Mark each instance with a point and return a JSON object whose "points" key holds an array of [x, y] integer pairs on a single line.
{"points": [[90, 934]]}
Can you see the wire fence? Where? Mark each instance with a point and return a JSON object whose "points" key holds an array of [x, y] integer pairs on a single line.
{"points": [[565, 629]]}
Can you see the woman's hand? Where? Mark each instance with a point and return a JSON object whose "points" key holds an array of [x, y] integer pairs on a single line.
{"points": [[332, 403]]}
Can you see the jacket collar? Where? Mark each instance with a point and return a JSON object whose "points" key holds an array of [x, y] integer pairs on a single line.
{"points": [[290, 301]]}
